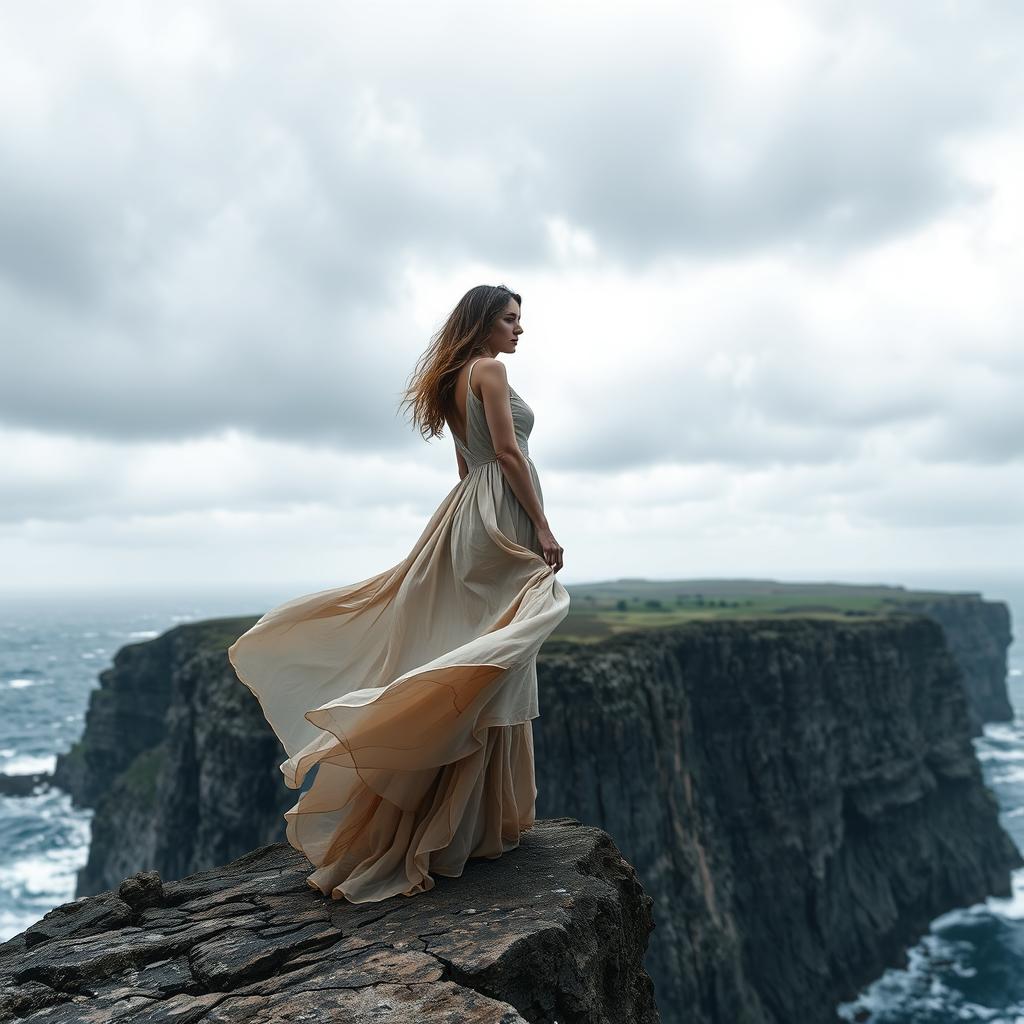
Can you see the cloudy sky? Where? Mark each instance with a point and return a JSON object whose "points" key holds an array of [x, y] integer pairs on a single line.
{"points": [[769, 253]]}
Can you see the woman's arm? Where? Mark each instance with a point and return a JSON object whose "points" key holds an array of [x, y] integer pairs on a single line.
{"points": [[494, 392], [498, 412]]}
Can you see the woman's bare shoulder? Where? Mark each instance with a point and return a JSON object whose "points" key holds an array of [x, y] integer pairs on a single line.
{"points": [[490, 376], [488, 368]]}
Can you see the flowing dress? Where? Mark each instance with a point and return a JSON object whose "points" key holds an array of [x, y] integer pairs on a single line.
{"points": [[412, 693]]}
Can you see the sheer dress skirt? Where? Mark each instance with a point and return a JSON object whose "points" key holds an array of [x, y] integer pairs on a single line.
{"points": [[412, 694]]}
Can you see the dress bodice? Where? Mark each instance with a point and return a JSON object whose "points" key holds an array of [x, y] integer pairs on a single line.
{"points": [[479, 448]]}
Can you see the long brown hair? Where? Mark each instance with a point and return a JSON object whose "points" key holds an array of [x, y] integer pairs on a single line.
{"points": [[431, 390]]}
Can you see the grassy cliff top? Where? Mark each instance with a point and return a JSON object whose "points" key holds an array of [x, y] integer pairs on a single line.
{"points": [[600, 610]]}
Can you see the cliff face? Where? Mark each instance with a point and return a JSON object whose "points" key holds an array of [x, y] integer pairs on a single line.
{"points": [[978, 634], [799, 796], [201, 788], [554, 930], [125, 715]]}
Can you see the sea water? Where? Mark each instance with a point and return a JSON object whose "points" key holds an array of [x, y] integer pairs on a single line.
{"points": [[969, 967], [52, 649]]}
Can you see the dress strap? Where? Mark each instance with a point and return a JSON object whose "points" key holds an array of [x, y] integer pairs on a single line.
{"points": [[469, 376], [469, 391]]}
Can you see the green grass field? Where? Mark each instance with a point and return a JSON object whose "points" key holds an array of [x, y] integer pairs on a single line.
{"points": [[600, 609]]}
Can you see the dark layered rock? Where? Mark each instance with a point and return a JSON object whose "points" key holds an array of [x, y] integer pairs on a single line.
{"points": [[25, 785], [978, 633], [125, 715], [201, 789], [553, 930], [799, 796]]}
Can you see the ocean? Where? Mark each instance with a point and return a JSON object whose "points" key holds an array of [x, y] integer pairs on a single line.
{"points": [[969, 967], [52, 649]]}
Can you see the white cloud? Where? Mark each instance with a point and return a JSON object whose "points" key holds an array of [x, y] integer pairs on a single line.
{"points": [[769, 256]]}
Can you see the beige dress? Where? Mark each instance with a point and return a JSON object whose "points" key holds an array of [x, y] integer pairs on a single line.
{"points": [[412, 693]]}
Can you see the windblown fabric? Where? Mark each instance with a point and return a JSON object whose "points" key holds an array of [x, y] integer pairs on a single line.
{"points": [[412, 693]]}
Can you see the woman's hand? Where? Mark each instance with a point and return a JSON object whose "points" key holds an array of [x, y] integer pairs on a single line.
{"points": [[553, 551]]}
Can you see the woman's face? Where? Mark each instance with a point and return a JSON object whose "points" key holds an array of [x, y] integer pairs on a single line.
{"points": [[506, 331]]}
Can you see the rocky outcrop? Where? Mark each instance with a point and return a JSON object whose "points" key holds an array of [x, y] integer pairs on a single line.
{"points": [[25, 785], [125, 715], [799, 796], [553, 930], [200, 789], [978, 634]]}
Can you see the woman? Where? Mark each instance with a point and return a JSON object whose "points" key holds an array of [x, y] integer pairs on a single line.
{"points": [[413, 692]]}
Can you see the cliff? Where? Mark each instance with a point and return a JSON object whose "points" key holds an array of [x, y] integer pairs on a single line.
{"points": [[200, 788], [554, 930], [978, 634], [799, 796]]}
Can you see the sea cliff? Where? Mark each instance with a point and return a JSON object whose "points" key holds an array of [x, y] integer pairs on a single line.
{"points": [[978, 633], [201, 789], [799, 796]]}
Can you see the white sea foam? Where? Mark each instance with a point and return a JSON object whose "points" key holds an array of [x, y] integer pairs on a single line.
{"points": [[32, 875], [1001, 755], [33, 883], [920, 992], [143, 634], [20, 684], [1013, 905], [1002, 732], [29, 765], [39, 883]]}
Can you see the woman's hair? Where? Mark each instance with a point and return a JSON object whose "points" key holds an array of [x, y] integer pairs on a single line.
{"points": [[431, 390]]}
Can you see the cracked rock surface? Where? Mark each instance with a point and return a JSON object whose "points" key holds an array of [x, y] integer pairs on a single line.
{"points": [[555, 930]]}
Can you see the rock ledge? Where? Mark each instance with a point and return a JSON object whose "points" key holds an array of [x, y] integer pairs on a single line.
{"points": [[555, 930]]}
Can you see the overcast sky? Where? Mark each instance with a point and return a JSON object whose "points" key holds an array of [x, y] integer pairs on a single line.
{"points": [[770, 257]]}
